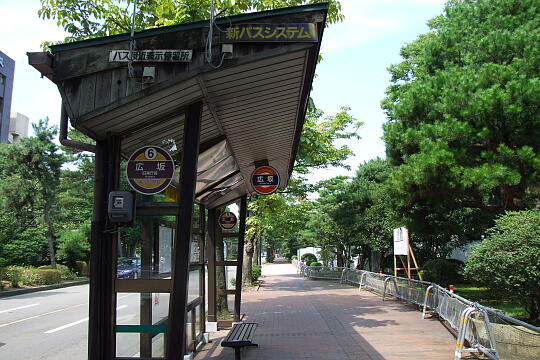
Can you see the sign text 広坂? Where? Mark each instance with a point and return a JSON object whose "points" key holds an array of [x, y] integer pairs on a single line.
{"points": [[270, 33]]}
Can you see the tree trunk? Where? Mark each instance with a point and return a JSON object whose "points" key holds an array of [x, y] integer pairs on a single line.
{"points": [[50, 234], [221, 280], [249, 247], [256, 252]]}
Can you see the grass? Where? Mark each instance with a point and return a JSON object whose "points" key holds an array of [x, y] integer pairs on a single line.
{"points": [[490, 298]]}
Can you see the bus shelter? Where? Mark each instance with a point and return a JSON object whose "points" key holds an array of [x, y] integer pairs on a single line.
{"points": [[222, 98]]}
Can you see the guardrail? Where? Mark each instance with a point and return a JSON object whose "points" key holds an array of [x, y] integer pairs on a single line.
{"points": [[485, 330]]}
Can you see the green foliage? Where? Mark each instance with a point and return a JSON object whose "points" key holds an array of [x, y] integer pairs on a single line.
{"points": [[317, 144], [50, 276], [294, 257], [256, 271], [308, 258], [464, 126], [14, 274], [270, 258], [315, 263], [74, 245], [443, 272], [84, 19], [29, 209], [508, 259]]}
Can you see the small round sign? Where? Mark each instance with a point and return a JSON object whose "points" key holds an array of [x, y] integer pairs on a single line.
{"points": [[227, 220], [265, 180], [150, 170]]}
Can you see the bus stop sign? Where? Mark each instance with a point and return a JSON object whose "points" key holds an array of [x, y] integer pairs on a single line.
{"points": [[150, 170], [265, 180], [227, 220]]}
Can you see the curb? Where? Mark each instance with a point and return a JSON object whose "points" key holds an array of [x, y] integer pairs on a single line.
{"points": [[8, 293]]}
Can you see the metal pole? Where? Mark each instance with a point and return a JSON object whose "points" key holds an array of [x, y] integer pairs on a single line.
{"points": [[176, 346], [240, 258]]}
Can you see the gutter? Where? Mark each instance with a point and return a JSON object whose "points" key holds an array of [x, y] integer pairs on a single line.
{"points": [[77, 145]]}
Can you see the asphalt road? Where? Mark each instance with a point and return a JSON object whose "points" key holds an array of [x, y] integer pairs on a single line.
{"points": [[53, 324]]}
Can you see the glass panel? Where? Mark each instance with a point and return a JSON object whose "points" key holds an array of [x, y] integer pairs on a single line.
{"points": [[194, 285], [230, 275], [195, 248], [198, 326], [136, 310], [230, 248], [127, 344], [189, 332], [144, 251]]}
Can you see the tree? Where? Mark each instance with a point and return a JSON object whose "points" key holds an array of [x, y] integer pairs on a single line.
{"points": [[464, 125], [316, 150], [508, 259], [85, 19], [29, 181]]}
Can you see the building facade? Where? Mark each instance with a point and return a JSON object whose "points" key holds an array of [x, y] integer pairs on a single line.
{"points": [[7, 72], [18, 127]]}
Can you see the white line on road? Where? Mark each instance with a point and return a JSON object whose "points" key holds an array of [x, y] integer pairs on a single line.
{"points": [[66, 326], [40, 315], [76, 322], [18, 308]]}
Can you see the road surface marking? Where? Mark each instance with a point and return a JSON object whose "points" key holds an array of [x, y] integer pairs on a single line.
{"points": [[18, 308], [40, 315], [76, 322], [66, 326]]}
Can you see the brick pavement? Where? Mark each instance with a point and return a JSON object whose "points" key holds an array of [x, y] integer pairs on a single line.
{"points": [[317, 319]]}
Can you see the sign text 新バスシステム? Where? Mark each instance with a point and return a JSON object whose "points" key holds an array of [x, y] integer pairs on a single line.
{"points": [[270, 33], [151, 55]]}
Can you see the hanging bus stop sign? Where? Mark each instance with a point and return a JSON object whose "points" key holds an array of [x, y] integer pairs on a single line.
{"points": [[265, 180], [150, 170], [227, 220]]}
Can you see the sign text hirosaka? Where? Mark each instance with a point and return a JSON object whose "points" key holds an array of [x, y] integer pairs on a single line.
{"points": [[270, 33], [151, 55]]}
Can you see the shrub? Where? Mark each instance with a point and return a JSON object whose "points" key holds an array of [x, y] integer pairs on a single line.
{"points": [[508, 259], [294, 257], [65, 272], [315, 263], [30, 277], [443, 271], [14, 274], [255, 272], [82, 268], [270, 258], [308, 258], [50, 276]]}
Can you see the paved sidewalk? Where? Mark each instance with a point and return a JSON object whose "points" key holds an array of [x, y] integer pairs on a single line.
{"points": [[310, 319]]}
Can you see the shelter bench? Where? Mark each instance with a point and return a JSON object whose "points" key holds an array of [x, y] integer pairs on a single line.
{"points": [[240, 335]]}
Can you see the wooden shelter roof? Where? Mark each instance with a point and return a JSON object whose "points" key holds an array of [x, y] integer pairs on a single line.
{"points": [[254, 102]]}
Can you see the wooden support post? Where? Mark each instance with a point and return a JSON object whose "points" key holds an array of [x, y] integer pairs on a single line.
{"points": [[176, 346], [240, 258], [212, 224], [202, 281], [102, 299], [147, 239]]}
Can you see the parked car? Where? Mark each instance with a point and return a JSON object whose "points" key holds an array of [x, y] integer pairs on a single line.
{"points": [[128, 268]]}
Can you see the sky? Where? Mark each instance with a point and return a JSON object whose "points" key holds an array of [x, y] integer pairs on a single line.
{"points": [[353, 73]]}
